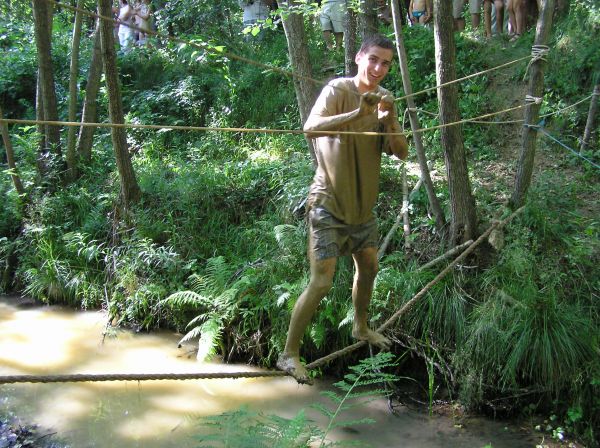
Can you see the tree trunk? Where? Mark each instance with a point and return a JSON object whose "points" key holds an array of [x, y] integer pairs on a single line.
{"points": [[369, 23], [73, 75], [10, 158], [90, 105], [536, 90], [462, 203], [42, 155], [130, 191], [293, 25], [440, 221], [42, 16], [350, 46], [591, 119]]}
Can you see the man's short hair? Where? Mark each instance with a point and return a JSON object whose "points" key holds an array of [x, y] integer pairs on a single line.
{"points": [[376, 40]]}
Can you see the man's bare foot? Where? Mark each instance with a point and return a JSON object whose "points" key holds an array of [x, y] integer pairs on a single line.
{"points": [[373, 338], [294, 367]]}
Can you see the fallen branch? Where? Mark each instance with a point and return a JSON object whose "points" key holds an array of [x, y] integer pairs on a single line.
{"points": [[448, 254]]}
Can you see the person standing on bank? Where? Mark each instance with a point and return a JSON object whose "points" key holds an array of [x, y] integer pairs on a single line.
{"points": [[344, 192]]}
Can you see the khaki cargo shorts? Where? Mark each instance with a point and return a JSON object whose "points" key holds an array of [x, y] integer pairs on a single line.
{"points": [[333, 15], [458, 5], [329, 237]]}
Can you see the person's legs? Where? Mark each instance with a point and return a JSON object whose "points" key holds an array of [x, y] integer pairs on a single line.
{"points": [[339, 40], [457, 13], [366, 266], [499, 5], [475, 10], [338, 19], [487, 17], [520, 15], [328, 38], [321, 279], [511, 17]]}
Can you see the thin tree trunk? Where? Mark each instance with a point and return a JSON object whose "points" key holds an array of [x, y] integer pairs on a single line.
{"points": [[42, 155], [369, 23], [436, 208], [536, 90], [591, 119], [350, 46], [90, 105], [10, 158], [130, 191], [405, 204], [462, 203], [42, 15], [293, 25], [73, 75]]}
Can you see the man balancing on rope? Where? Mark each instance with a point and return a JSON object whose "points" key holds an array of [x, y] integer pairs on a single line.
{"points": [[344, 191]]}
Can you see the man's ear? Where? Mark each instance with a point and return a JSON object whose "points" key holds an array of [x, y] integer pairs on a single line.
{"points": [[357, 57]]}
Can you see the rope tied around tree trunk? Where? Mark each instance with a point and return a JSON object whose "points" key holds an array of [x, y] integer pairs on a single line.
{"points": [[538, 53]]}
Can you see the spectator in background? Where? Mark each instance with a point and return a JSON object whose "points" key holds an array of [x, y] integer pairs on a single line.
{"points": [[332, 17], [384, 12], [491, 8], [144, 14], [126, 14], [457, 11], [419, 11], [255, 10], [517, 11]]}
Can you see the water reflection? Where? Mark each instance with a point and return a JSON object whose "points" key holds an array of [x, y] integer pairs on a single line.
{"points": [[53, 340]]}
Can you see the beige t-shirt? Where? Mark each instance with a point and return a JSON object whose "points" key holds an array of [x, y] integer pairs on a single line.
{"points": [[346, 182]]}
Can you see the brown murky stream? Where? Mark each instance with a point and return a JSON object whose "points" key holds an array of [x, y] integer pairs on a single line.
{"points": [[53, 340]]}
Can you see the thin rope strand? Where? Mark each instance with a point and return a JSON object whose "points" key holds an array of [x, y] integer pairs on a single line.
{"points": [[248, 130], [429, 89], [543, 131]]}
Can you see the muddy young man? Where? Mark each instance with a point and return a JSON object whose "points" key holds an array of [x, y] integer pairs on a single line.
{"points": [[344, 191]]}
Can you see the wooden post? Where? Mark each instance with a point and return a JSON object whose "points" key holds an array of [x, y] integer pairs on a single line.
{"points": [[589, 125], [10, 157], [536, 90], [414, 120]]}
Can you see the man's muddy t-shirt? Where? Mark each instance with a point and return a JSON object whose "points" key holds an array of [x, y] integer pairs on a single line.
{"points": [[346, 182]]}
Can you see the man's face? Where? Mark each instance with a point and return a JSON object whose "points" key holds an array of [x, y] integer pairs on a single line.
{"points": [[373, 64]]}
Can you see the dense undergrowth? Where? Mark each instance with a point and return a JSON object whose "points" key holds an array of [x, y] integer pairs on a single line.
{"points": [[216, 247]]}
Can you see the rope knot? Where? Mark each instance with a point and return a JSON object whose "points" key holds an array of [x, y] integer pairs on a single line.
{"points": [[533, 99], [538, 53]]}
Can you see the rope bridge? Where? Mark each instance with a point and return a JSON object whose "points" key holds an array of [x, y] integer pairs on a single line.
{"points": [[328, 358], [249, 374]]}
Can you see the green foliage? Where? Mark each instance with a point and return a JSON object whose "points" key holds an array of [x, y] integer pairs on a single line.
{"points": [[355, 387], [18, 69], [244, 427], [216, 296]]}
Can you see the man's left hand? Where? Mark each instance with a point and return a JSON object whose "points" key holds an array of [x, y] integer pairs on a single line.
{"points": [[386, 111]]}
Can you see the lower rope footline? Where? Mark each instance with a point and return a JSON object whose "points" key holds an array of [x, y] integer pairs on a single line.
{"points": [[69, 378], [79, 378]]}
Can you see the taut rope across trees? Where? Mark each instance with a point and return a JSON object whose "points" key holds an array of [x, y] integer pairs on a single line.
{"points": [[249, 374]]}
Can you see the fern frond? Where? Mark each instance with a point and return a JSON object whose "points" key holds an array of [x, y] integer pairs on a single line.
{"points": [[185, 299], [196, 320], [218, 272], [210, 338], [192, 334]]}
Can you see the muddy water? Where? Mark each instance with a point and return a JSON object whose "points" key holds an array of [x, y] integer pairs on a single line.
{"points": [[52, 340]]}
